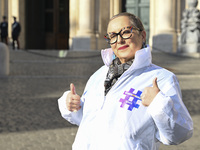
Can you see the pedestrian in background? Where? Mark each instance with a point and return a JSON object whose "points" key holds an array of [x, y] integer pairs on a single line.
{"points": [[129, 103], [4, 30], [16, 28]]}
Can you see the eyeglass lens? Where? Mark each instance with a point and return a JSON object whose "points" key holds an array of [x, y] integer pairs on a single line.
{"points": [[124, 33]]}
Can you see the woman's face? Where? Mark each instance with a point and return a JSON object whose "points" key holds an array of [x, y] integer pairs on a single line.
{"points": [[125, 49]]}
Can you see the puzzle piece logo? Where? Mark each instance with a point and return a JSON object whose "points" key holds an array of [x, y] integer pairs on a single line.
{"points": [[131, 99]]}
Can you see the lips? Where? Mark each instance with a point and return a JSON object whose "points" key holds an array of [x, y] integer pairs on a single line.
{"points": [[123, 47]]}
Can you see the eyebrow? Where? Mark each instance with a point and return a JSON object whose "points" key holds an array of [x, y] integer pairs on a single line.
{"points": [[119, 31]]}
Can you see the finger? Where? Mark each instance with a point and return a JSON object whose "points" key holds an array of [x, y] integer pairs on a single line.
{"points": [[73, 106], [75, 109], [155, 82], [72, 89], [75, 99]]}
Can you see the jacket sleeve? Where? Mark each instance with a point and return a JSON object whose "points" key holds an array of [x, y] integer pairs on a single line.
{"points": [[72, 117], [76, 117], [171, 117]]}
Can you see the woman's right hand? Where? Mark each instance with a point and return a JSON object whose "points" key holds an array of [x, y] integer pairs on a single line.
{"points": [[73, 100]]}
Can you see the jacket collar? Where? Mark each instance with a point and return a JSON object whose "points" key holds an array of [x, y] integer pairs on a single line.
{"points": [[142, 57]]}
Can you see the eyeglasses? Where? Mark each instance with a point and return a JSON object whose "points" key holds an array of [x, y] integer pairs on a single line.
{"points": [[124, 33]]}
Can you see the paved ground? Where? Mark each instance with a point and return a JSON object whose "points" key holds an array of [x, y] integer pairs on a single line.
{"points": [[29, 118]]}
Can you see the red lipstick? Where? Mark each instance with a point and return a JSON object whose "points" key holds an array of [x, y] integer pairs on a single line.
{"points": [[123, 47]]}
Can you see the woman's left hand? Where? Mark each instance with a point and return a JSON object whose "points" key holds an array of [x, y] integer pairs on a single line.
{"points": [[150, 93]]}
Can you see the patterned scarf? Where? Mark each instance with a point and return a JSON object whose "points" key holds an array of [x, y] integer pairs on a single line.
{"points": [[116, 69]]}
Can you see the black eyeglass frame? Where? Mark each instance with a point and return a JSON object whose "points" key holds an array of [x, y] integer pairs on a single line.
{"points": [[119, 33]]}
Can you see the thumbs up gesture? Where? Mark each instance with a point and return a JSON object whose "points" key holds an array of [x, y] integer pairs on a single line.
{"points": [[73, 100], [150, 93]]}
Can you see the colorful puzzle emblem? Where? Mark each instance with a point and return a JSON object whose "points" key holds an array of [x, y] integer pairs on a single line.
{"points": [[131, 99]]}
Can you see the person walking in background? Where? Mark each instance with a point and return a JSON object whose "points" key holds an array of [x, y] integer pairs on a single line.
{"points": [[4, 30], [16, 28]]}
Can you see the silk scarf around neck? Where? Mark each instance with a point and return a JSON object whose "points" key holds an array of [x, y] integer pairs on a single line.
{"points": [[116, 69]]}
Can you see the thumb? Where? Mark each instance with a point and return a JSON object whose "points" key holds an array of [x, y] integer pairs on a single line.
{"points": [[72, 89], [155, 82]]}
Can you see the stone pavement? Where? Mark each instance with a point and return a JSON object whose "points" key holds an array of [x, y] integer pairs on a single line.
{"points": [[29, 118]]}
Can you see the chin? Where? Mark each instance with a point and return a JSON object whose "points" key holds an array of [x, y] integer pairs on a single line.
{"points": [[125, 55]]}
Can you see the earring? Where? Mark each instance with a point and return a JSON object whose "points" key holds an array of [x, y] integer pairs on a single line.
{"points": [[144, 45], [113, 56]]}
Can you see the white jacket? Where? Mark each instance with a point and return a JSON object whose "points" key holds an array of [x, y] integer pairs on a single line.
{"points": [[119, 121]]}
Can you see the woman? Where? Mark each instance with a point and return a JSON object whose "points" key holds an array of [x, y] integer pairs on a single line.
{"points": [[130, 103]]}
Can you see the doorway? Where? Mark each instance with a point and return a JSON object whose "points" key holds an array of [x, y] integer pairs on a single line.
{"points": [[56, 24], [47, 24], [140, 8]]}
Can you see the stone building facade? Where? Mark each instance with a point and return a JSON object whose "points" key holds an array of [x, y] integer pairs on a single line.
{"points": [[81, 24]]}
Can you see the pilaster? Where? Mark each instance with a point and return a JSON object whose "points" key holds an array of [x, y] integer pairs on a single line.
{"points": [[115, 7], [163, 25], [1, 9], [104, 18], [21, 19], [74, 20], [85, 38]]}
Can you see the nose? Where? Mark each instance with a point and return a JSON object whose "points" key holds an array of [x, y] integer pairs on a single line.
{"points": [[120, 39]]}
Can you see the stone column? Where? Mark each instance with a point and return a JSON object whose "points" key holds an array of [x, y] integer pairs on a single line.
{"points": [[163, 25], [103, 22], [22, 20], [85, 38], [1, 9], [86, 17], [13, 10], [17, 8], [74, 20], [165, 16], [115, 7], [4, 60], [4, 10]]}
